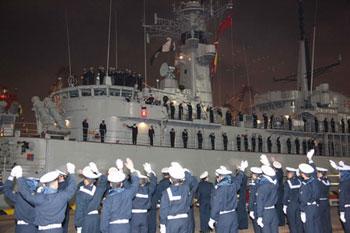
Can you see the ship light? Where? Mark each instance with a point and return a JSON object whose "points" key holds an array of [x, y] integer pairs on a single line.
{"points": [[144, 112], [142, 125], [286, 116], [181, 57], [67, 123]]}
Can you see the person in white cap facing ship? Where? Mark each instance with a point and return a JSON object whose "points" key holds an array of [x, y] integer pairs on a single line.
{"points": [[203, 194], [88, 199], [291, 200], [223, 216], [116, 210], [253, 186], [51, 203]]}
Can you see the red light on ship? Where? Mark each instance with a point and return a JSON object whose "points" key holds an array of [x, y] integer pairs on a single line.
{"points": [[144, 112]]}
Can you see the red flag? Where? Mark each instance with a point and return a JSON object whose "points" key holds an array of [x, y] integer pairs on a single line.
{"points": [[223, 26]]}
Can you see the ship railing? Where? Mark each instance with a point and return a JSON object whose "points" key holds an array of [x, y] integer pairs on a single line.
{"points": [[26, 129]]}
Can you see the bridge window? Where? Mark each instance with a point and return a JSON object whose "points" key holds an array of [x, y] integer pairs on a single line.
{"points": [[85, 92], [100, 91], [73, 93], [126, 93], [114, 92]]}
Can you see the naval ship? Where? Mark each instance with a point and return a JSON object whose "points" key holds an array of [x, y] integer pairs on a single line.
{"points": [[297, 126]]}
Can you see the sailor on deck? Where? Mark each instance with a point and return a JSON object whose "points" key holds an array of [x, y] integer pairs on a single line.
{"points": [[223, 216], [24, 212], [51, 203], [116, 210], [253, 186], [88, 199], [344, 193], [291, 200], [309, 194], [163, 185], [204, 191], [324, 208], [175, 202], [142, 201]]}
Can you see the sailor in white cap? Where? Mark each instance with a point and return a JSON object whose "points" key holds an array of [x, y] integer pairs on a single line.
{"points": [[324, 207], [176, 201], [344, 193], [253, 185], [163, 185], [203, 194], [309, 195], [51, 203], [223, 216], [24, 212], [116, 210], [279, 205], [142, 201], [88, 199], [266, 200], [291, 200]]}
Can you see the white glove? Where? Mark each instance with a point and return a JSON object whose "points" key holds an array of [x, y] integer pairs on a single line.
{"points": [[285, 209], [310, 154], [342, 217], [129, 164], [17, 171], [120, 164], [79, 229], [251, 215], [341, 163], [211, 223], [260, 222], [162, 228], [93, 167], [264, 160], [147, 167], [303, 217], [70, 168], [244, 165], [334, 165]]}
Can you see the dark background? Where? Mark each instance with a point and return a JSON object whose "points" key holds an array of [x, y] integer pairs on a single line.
{"points": [[262, 43]]}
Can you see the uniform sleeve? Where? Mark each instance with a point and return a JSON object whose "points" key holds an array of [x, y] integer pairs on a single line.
{"points": [[132, 189], [342, 196], [8, 191], [237, 180], [164, 208], [71, 188], [102, 185], [260, 199], [252, 189], [286, 194], [80, 206], [216, 205], [152, 184], [27, 193], [105, 216]]}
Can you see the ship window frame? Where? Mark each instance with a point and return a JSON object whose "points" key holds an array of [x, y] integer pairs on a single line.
{"points": [[84, 91], [115, 90], [73, 93], [64, 95], [126, 93], [99, 90]]}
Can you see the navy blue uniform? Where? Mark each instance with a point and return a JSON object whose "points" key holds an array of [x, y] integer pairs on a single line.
{"points": [[141, 204], [324, 208], [279, 204], [193, 184], [204, 191], [266, 200], [344, 198], [291, 200], [61, 186], [224, 203], [309, 197], [24, 211], [253, 186], [50, 205], [242, 214], [88, 200], [175, 207], [116, 210], [152, 215]]}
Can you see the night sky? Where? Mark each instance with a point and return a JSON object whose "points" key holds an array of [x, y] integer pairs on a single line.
{"points": [[262, 43]]}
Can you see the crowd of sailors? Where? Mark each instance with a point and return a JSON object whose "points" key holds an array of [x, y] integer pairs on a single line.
{"points": [[126, 200]]}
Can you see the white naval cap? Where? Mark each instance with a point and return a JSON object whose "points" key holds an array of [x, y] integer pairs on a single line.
{"points": [[291, 169], [321, 169], [116, 176], [49, 177], [267, 170], [112, 169], [204, 175], [176, 171], [277, 165], [256, 170], [222, 170], [306, 168], [88, 173], [165, 170]]}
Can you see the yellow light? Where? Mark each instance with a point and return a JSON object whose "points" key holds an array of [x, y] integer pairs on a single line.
{"points": [[286, 116], [181, 57], [67, 123], [142, 125]]}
